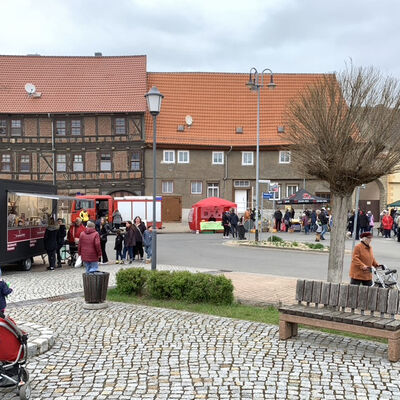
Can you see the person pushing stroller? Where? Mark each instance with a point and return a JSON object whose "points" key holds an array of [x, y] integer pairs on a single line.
{"points": [[5, 290]]}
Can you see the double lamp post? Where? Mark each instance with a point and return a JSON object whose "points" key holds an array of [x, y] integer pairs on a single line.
{"points": [[256, 83], [154, 98]]}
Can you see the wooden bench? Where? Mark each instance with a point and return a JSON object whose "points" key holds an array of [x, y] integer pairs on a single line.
{"points": [[349, 308]]}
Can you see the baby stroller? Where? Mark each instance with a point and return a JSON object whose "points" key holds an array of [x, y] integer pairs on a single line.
{"points": [[13, 356], [71, 253], [385, 277]]}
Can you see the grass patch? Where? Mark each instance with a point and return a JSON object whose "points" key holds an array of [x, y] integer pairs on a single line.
{"points": [[266, 315]]}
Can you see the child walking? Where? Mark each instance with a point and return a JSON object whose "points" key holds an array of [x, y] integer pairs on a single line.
{"points": [[147, 239], [5, 290], [119, 239]]}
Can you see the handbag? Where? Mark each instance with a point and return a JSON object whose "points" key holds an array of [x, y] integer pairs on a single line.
{"points": [[78, 262], [319, 229]]}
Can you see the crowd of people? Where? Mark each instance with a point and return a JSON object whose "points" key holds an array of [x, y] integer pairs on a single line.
{"points": [[89, 238]]}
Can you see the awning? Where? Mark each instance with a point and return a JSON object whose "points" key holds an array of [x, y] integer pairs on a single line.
{"points": [[45, 196]]}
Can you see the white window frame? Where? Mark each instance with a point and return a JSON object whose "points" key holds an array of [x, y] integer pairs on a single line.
{"points": [[105, 164], [278, 193], [241, 183], [213, 186], [246, 153], [78, 166], [196, 184], [291, 186], [219, 154], [6, 163], [167, 186], [168, 161], [61, 162], [285, 157], [183, 153]]}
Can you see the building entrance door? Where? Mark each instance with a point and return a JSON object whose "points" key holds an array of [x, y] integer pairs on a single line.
{"points": [[171, 210], [241, 200]]}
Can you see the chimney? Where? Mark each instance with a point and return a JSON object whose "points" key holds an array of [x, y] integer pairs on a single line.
{"points": [[98, 54]]}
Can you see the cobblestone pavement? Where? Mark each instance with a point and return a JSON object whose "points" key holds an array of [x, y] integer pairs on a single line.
{"points": [[137, 352]]}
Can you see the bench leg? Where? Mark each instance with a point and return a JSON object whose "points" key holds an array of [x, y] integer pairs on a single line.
{"points": [[295, 329], [394, 349], [285, 330]]}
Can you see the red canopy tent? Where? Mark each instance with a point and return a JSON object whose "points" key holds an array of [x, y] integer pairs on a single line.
{"points": [[208, 208]]}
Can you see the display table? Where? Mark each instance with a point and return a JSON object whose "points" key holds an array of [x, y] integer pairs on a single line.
{"points": [[211, 226]]}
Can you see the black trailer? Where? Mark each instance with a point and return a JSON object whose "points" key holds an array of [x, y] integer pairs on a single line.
{"points": [[25, 210]]}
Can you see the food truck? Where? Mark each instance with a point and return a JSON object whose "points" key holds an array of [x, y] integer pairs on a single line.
{"points": [[26, 208], [129, 206]]}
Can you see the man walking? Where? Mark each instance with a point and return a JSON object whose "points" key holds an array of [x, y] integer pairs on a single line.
{"points": [[89, 248], [234, 223]]}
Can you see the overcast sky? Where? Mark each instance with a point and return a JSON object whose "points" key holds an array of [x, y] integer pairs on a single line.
{"points": [[211, 35]]}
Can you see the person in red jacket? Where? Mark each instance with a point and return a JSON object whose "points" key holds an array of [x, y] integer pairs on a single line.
{"points": [[387, 224], [75, 231], [89, 248]]}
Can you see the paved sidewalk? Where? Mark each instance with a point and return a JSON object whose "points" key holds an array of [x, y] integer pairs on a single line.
{"points": [[129, 352]]}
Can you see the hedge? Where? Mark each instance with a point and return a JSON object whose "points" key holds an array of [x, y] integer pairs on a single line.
{"points": [[177, 285]]}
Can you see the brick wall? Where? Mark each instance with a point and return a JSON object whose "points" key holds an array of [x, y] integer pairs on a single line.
{"points": [[104, 125]]}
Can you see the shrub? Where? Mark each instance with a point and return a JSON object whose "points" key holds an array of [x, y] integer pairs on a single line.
{"points": [[132, 280], [295, 244], [194, 288], [316, 246], [274, 238]]}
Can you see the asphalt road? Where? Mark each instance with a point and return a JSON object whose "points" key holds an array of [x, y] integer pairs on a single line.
{"points": [[211, 251]]}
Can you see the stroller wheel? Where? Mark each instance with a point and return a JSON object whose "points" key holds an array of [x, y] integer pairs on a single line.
{"points": [[24, 391]]}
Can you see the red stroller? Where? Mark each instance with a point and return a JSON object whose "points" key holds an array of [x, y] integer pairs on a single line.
{"points": [[13, 356]]}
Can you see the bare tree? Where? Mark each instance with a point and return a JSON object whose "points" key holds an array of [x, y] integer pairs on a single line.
{"points": [[344, 130]]}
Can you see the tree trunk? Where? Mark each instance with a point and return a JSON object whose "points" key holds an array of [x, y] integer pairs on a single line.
{"points": [[340, 207]]}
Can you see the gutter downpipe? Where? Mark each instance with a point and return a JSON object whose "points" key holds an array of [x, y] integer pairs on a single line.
{"points": [[226, 170]]}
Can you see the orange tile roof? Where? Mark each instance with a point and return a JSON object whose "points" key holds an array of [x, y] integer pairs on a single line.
{"points": [[218, 104], [73, 84]]}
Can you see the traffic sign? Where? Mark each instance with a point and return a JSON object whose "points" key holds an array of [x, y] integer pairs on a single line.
{"points": [[267, 195]]}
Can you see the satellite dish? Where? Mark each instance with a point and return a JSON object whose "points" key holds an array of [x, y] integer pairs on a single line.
{"points": [[189, 120], [30, 88]]}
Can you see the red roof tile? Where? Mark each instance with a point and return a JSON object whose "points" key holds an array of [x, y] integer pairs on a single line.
{"points": [[218, 104], [73, 84]]}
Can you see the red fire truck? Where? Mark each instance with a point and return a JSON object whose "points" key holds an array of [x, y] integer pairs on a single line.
{"points": [[129, 206]]}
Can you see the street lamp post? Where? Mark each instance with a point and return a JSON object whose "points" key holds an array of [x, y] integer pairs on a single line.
{"points": [[154, 98], [255, 83]]}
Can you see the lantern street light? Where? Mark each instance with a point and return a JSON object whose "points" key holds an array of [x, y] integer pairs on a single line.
{"points": [[256, 83], [154, 98]]}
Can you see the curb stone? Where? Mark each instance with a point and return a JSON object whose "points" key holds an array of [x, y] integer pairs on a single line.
{"points": [[40, 338]]}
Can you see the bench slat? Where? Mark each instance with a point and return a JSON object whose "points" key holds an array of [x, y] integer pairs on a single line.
{"points": [[381, 303], [316, 292], [393, 300], [308, 291], [393, 325], [334, 295], [362, 297], [343, 293], [299, 289], [326, 286], [372, 296], [353, 296]]}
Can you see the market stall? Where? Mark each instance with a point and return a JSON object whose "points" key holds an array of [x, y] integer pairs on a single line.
{"points": [[206, 215]]}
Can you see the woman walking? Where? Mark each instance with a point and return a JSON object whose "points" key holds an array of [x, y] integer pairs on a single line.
{"points": [[139, 228], [104, 230]]}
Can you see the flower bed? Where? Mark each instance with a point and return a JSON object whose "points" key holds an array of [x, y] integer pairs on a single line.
{"points": [[276, 242]]}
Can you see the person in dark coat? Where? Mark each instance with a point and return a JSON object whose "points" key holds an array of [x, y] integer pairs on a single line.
{"points": [[89, 248], [61, 233], [119, 240], [5, 290], [234, 219], [226, 224], [364, 222], [139, 227], [50, 243], [129, 243], [104, 231], [241, 229], [278, 219]]}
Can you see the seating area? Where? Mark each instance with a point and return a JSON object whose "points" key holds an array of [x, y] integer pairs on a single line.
{"points": [[363, 310]]}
